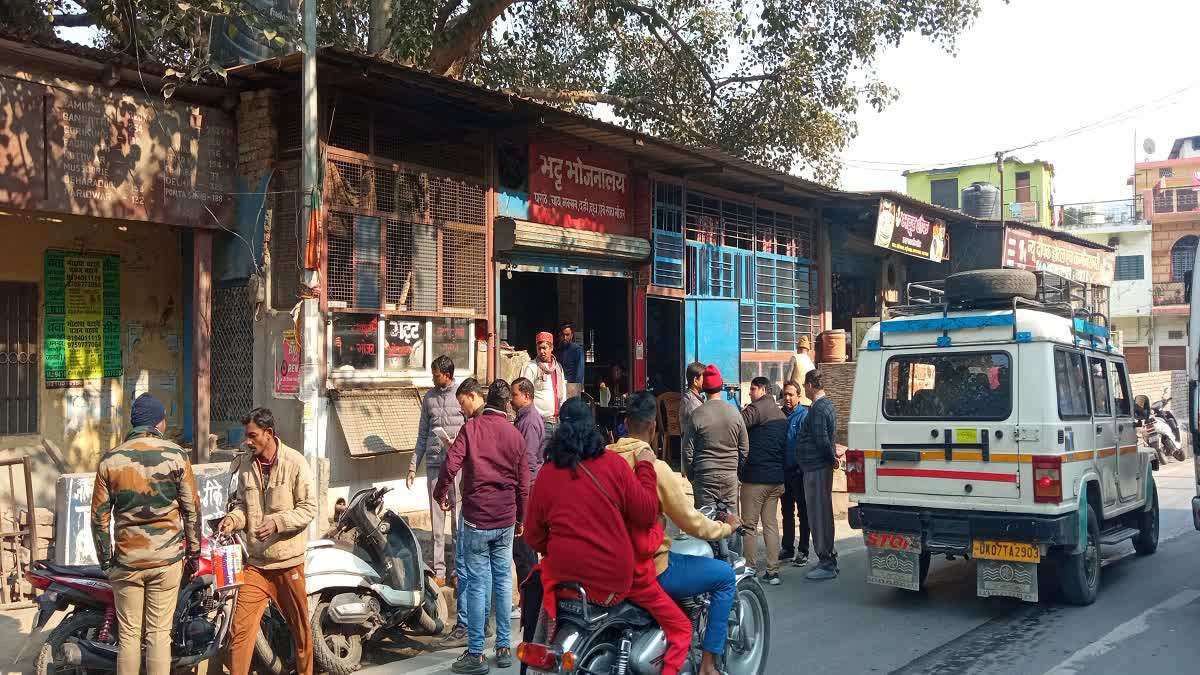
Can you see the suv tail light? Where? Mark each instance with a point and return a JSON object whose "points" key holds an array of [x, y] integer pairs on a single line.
{"points": [[1047, 480], [856, 471]]}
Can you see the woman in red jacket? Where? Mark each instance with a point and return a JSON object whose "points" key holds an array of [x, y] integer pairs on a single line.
{"points": [[584, 503]]}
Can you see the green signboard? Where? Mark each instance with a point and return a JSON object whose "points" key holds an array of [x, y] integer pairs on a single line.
{"points": [[83, 318]]}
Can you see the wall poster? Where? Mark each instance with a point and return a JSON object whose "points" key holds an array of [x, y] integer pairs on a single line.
{"points": [[83, 318]]}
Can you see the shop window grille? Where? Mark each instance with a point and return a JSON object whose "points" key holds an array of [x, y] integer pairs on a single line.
{"points": [[232, 348], [19, 361], [746, 326], [350, 124], [339, 231], [668, 236], [285, 236]]}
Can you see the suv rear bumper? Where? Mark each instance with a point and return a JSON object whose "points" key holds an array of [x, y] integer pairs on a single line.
{"points": [[951, 531]]}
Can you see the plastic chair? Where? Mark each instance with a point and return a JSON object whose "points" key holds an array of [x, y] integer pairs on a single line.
{"points": [[668, 422]]}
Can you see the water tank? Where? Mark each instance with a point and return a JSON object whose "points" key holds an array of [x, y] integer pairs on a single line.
{"points": [[981, 200]]}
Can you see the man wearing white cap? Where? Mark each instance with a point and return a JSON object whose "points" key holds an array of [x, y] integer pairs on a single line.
{"points": [[799, 366], [549, 382]]}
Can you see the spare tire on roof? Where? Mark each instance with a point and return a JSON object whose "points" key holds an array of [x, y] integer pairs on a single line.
{"points": [[990, 285]]}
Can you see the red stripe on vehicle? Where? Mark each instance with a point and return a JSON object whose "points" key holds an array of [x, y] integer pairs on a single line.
{"points": [[940, 473]]}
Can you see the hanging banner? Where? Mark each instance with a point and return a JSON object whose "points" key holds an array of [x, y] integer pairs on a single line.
{"points": [[911, 233], [578, 189], [287, 365], [1026, 249], [83, 318]]}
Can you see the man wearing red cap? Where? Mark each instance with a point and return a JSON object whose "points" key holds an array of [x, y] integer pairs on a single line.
{"points": [[715, 444], [549, 382]]}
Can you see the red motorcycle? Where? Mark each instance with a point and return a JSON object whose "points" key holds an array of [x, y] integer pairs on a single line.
{"points": [[86, 639]]}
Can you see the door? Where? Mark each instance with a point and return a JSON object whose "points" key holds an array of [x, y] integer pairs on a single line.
{"points": [[1129, 474], [711, 337], [1074, 388], [1138, 359], [1172, 358], [1105, 428], [1023, 191]]}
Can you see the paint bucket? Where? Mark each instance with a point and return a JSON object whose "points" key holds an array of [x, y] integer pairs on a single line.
{"points": [[833, 346]]}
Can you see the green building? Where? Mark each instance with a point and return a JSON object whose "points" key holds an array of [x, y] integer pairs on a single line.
{"points": [[1028, 187]]}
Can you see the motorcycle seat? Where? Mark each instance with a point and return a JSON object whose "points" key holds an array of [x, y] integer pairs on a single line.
{"points": [[626, 612], [84, 571]]}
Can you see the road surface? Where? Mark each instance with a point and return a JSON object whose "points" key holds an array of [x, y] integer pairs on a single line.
{"points": [[1143, 620]]}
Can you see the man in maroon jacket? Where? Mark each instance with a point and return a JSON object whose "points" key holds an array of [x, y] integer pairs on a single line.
{"points": [[495, 485]]}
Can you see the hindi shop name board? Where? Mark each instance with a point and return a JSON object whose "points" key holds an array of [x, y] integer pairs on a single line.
{"points": [[1025, 249], [905, 231], [578, 189], [116, 155], [83, 318]]}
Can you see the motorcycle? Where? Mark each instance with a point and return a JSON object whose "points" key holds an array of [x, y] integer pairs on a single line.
{"points": [[377, 587], [598, 640], [86, 639], [1159, 428]]}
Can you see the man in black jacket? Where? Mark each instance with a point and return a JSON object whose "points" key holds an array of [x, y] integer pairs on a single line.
{"points": [[762, 474], [817, 455]]}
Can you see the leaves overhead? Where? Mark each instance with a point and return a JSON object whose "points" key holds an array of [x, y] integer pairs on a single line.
{"points": [[777, 82]]}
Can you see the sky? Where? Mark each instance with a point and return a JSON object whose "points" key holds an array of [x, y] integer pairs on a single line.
{"points": [[1032, 70]]}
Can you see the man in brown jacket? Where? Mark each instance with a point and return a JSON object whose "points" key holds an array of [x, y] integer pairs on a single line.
{"points": [[272, 500]]}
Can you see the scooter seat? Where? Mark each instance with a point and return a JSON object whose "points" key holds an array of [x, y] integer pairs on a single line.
{"points": [[84, 571]]}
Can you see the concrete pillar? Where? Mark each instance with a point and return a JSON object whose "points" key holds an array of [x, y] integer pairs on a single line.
{"points": [[202, 287]]}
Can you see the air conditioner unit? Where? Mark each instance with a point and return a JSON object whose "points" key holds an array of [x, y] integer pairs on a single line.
{"points": [[1114, 241]]}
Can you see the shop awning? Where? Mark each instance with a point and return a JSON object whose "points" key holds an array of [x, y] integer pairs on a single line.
{"points": [[378, 421], [511, 234]]}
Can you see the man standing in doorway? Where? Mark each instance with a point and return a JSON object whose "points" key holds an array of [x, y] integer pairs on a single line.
{"points": [[549, 381], [147, 486], [693, 396], [272, 500], [715, 444], [441, 419], [794, 508], [800, 365], [817, 455], [570, 354]]}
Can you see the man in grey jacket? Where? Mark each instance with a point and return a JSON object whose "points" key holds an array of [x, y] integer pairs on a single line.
{"points": [[715, 444], [817, 456], [441, 417]]}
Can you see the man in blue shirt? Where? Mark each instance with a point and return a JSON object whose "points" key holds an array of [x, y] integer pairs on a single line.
{"points": [[570, 355], [794, 507]]}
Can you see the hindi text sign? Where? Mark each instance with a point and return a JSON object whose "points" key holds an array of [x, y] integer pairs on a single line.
{"points": [[911, 233], [1025, 249], [578, 189]]}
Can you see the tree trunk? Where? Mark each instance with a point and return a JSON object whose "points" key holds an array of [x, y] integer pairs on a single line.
{"points": [[377, 32]]}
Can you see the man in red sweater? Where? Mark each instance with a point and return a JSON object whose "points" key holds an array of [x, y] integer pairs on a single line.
{"points": [[491, 454]]}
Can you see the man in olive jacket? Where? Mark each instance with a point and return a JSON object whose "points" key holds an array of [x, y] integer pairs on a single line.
{"points": [[271, 502]]}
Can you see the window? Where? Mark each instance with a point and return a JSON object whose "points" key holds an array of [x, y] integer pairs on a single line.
{"points": [[1183, 258], [1166, 172], [1023, 187], [668, 235], [1101, 405], [388, 345], [454, 338], [1130, 268], [944, 192], [1174, 335], [19, 372], [1070, 378], [355, 342], [404, 345], [962, 386], [1120, 389]]}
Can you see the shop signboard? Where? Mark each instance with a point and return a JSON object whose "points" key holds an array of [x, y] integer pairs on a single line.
{"points": [[905, 231], [83, 318], [1025, 249], [578, 189]]}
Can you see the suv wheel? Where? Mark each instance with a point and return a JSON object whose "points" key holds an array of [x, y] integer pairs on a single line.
{"points": [[1080, 573], [1147, 540]]}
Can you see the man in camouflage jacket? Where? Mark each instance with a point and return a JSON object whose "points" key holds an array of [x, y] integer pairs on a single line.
{"points": [[146, 488]]}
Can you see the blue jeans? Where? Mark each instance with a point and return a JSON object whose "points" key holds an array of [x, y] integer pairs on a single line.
{"points": [[688, 575], [460, 568], [488, 557]]}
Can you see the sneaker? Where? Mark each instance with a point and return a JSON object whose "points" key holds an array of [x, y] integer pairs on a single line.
{"points": [[470, 664], [504, 657], [821, 573], [771, 578], [516, 614], [785, 556], [801, 560], [455, 638]]}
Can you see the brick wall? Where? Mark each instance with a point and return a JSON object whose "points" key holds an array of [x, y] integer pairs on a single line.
{"points": [[1175, 382], [1163, 239], [839, 387]]}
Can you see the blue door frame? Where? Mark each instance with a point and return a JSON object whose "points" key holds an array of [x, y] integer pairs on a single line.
{"points": [[710, 335]]}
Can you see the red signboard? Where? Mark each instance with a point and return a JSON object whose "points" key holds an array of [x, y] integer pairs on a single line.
{"points": [[578, 189], [1037, 252]]}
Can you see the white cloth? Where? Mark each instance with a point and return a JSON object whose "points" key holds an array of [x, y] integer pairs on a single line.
{"points": [[798, 367], [544, 392]]}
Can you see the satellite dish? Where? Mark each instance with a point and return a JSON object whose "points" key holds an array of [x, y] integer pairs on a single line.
{"points": [[1149, 146]]}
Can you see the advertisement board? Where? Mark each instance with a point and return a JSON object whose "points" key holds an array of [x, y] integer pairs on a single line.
{"points": [[905, 231]]}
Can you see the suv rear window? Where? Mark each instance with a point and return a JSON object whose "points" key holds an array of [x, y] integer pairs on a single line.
{"points": [[959, 386]]}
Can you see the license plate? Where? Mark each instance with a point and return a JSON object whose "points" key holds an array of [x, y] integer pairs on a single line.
{"points": [[1008, 579], [894, 560], [1012, 551]]}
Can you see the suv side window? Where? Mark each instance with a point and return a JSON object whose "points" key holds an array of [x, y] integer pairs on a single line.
{"points": [[1120, 389], [1070, 378], [1101, 405]]}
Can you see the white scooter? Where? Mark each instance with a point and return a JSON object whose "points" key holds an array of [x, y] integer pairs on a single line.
{"points": [[1160, 428]]}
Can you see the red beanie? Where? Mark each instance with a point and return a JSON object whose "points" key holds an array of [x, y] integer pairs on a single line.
{"points": [[711, 380]]}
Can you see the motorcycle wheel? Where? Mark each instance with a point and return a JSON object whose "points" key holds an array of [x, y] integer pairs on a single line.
{"points": [[274, 651], [749, 641], [1173, 449], [337, 649], [81, 625]]}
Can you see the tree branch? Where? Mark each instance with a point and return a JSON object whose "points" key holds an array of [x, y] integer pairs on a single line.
{"points": [[587, 97], [655, 16], [742, 79], [74, 20], [451, 49], [444, 13]]}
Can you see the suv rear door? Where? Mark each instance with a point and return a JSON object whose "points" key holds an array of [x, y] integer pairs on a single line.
{"points": [[948, 424]]}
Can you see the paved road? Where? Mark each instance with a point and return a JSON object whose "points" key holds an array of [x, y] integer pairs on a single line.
{"points": [[1142, 622]]}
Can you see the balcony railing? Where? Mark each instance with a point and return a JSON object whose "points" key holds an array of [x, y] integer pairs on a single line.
{"points": [[1176, 200], [1099, 215], [1169, 293]]}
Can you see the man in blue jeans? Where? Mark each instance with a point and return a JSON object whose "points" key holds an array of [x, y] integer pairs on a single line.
{"points": [[490, 452]]}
